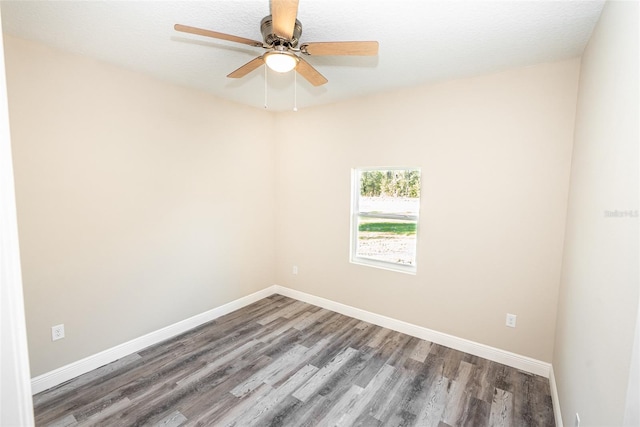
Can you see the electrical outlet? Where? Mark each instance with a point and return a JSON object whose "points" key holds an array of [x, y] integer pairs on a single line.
{"points": [[57, 332], [511, 320], [295, 269], [577, 423]]}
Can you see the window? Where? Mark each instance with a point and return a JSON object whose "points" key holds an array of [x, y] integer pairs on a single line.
{"points": [[384, 221]]}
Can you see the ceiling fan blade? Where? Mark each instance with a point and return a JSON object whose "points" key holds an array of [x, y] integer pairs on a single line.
{"points": [[311, 74], [283, 15], [216, 35], [340, 48], [247, 68]]}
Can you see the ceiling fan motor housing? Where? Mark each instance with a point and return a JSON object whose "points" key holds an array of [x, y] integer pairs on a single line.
{"points": [[271, 39]]}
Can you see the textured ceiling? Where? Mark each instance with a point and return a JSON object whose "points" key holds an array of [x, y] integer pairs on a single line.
{"points": [[420, 41]]}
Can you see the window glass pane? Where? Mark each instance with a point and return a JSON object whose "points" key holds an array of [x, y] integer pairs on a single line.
{"points": [[389, 191], [386, 204], [388, 240]]}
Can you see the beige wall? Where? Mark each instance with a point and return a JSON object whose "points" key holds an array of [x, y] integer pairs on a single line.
{"points": [[495, 155], [16, 406], [140, 203], [598, 301]]}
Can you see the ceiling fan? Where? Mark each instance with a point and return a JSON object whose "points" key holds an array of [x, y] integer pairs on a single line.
{"points": [[281, 33]]}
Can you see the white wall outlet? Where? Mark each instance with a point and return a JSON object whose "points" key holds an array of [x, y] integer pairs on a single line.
{"points": [[511, 320], [57, 332], [577, 423], [295, 269]]}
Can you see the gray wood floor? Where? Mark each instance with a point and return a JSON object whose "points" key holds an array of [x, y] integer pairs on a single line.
{"points": [[282, 362]]}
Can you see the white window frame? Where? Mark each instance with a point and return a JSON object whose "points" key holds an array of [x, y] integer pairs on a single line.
{"points": [[355, 213]]}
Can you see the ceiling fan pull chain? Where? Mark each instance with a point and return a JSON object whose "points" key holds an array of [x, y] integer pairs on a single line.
{"points": [[265, 87], [295, 91]]}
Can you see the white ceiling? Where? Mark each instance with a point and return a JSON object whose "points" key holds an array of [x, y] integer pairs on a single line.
{"points": [[420, 41]]}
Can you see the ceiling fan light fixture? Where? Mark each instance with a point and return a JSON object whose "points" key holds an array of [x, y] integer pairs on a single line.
{"points": [[281, 62]]}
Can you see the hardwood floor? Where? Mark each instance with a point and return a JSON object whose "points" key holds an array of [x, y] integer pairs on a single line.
{"points": [[282, 362]]}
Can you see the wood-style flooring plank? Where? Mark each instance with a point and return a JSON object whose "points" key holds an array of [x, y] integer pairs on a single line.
{"points": [[436, 400], [457, 400], [421, 351], [340, 410], [324, 374], [501, 409], [265, 405], [66, 421], [365, 396], [282, 362]]}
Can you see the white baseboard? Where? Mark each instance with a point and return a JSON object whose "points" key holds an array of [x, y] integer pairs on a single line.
{"points": [[554, 398], [481, 350], [72, 370]]}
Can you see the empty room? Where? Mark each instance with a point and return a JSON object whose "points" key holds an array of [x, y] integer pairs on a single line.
{"points": [[301, 213]]}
